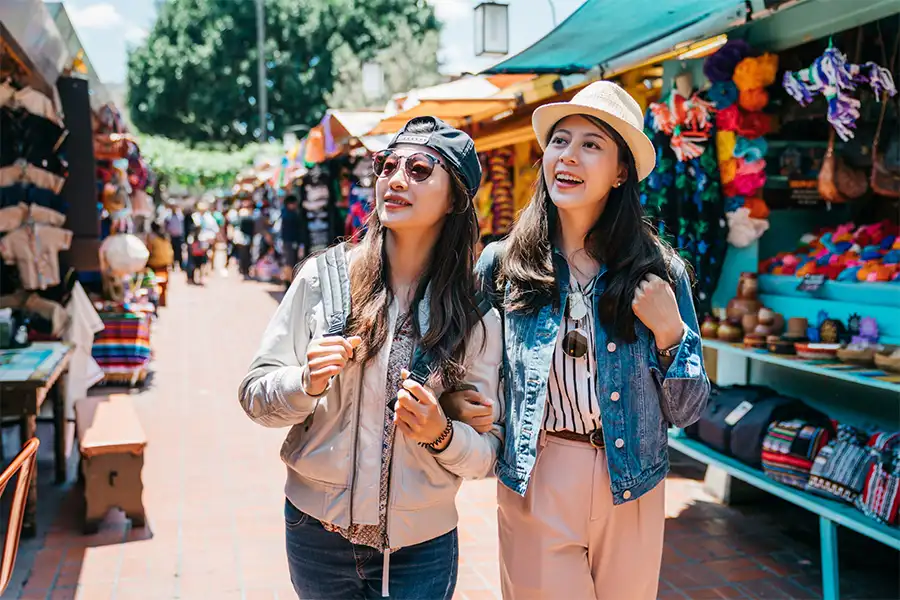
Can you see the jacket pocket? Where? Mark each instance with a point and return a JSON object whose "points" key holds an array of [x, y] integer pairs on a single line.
{"points": [[323, 453]]}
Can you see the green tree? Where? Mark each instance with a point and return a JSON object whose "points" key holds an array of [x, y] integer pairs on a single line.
{"points": [[409, 62], [195, 77]]}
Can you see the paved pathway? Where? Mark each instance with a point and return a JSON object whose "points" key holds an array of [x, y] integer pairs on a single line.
{"points": [[213, 490]]}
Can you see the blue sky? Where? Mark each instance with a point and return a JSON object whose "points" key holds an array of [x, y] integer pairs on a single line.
{"points": [[108, 27]]}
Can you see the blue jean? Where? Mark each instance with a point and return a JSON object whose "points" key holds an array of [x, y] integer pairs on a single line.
{"points": [[325, 566]]}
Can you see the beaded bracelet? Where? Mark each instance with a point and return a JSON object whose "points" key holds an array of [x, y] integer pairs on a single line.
{"points": [[448, 432]]}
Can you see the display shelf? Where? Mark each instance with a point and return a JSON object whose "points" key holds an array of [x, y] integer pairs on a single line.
{"points": [[876, 293], [840, 513], [831, 513], [835, 369]]}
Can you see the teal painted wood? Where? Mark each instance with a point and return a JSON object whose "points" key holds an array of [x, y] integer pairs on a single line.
{"points": [[764, 356], [873, 294], [836, 512], [831, 581]]}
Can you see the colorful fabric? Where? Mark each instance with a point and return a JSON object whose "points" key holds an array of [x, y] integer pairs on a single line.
{"points": [[683, 200], [832, 76], [789, 449], [124, 343], [840, 469], [880, 497]]}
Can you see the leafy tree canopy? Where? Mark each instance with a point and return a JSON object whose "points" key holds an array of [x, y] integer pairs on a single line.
{"points": [[195, 77]]}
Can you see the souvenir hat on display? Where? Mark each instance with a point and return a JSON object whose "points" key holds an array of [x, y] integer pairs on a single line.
{"points": [[609, 103], [454, 145]]}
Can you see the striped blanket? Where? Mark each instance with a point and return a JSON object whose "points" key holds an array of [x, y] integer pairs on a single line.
{"points": [[123, 347]]}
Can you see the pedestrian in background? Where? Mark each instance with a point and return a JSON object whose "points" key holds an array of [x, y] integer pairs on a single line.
{"points": [[371, 487], [591, 390], [175, 230]]}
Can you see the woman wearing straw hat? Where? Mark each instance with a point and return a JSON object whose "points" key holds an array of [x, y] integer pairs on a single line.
{"points": [[602, 356]]}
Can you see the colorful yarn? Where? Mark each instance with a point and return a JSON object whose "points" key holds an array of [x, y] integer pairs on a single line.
{"points": [[758, 208], [748, 184], [723, 94], [834, 77], [725, 145], [747, 167], [729, 119], [720, 66], [754, 100], [754, 125], [728, 170], [750, 150], [756, 73]]}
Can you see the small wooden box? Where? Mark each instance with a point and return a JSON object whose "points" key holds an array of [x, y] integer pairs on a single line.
{"points": [[112, 442]]}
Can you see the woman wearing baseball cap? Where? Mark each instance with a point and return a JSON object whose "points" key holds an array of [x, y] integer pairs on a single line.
{"points": [[609, 357], [374, 464]]}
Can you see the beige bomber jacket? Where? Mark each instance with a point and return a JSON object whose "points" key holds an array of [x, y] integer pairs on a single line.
{"points": [[333, 467]]}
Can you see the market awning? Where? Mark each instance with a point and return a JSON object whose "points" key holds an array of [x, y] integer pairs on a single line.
{"points": [[603, 30], [453, 111]]}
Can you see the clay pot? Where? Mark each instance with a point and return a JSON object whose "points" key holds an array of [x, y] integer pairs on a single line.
{"points": [[747, 300], [730, 332], [778, 324], [766, 316], [763, 330], [797, 328], [710, 328], [749, 322]]}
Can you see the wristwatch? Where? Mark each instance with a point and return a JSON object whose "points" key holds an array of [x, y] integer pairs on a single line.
{"points": [[669, 352]]}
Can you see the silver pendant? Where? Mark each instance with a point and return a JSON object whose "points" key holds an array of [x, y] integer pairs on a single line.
{"points": [[577, 306]]}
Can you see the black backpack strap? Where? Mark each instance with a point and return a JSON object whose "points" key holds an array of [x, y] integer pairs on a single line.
{"points": [[334, 281]]}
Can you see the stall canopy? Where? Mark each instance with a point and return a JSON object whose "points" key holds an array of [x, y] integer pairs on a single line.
{"points": [[601, 31], [454, 111]]}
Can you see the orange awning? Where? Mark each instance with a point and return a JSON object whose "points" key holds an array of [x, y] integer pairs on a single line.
{"points": [[454, 112]]}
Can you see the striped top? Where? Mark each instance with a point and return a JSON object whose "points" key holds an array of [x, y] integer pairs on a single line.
{"points": [[572, 403]]}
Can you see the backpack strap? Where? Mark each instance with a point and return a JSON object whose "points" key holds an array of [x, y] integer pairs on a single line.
{"points": [[334, 281], [424, 364]]}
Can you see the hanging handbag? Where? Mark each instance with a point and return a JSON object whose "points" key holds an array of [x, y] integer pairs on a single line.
{"points": [[885, 177], [840, 469], [880, 497], [789, 449]]}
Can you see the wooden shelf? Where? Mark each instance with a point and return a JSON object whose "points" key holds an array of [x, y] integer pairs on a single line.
{"points": [[835, 369]]}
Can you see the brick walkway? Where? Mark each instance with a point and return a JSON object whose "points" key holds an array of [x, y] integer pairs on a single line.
{"points": [[213, 490]]}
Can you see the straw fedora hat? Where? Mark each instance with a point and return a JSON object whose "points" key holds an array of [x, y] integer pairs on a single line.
{"points": [[611, 104]]}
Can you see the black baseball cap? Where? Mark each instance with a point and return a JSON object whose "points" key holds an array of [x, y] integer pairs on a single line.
{"points": [[455, 146]]}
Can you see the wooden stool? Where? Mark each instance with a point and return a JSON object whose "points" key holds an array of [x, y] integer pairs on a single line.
{"points": [[112, 444], [162, 279]]}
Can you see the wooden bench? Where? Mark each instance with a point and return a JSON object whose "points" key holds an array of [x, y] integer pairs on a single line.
{"points": [[112, 442]]}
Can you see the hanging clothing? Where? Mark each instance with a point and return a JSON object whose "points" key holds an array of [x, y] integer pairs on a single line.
{"points": [[34, 249], [84, 324], [682, 196], [12, 217]]}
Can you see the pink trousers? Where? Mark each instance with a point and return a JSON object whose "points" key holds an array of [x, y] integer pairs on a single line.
{"points": [[565, 540]]}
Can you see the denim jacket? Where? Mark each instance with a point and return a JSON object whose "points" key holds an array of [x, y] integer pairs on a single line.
{"points": [[638, 402]]}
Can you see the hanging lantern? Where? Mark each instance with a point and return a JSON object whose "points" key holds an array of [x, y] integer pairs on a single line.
{"points": [[491, 29]]}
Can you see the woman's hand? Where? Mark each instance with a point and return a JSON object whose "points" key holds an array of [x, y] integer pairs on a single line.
{"points": [[471, 408], [419, 415], [655, 305], [325, 358]]}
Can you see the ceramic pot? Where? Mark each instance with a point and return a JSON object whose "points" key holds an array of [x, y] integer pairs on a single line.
{"points": [[797, 327], [749, 322], [747, 299], [710, 328], [730, 332]]}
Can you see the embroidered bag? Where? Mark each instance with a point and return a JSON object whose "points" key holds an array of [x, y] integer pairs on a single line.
{"points": [[840, 469], [789, 449], [880, 497]]}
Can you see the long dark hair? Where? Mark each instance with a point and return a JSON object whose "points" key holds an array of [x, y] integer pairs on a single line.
{"points": [[621, 239], [452, 307]]}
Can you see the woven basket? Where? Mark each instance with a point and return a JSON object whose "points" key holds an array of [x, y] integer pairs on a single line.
{"points": [[864, 358], [884, 361]]}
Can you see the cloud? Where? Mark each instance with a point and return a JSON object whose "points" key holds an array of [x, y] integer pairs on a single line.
{"points": [[96, 16], [135, 34]]}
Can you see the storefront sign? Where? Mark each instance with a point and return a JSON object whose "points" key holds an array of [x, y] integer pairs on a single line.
{"points": [[811, 283]]}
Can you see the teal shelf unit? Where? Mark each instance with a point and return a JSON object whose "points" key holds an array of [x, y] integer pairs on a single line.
{"points": [[867, 398]]}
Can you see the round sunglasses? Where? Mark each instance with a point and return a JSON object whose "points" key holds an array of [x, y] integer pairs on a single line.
{"points": [[419, 166]]}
